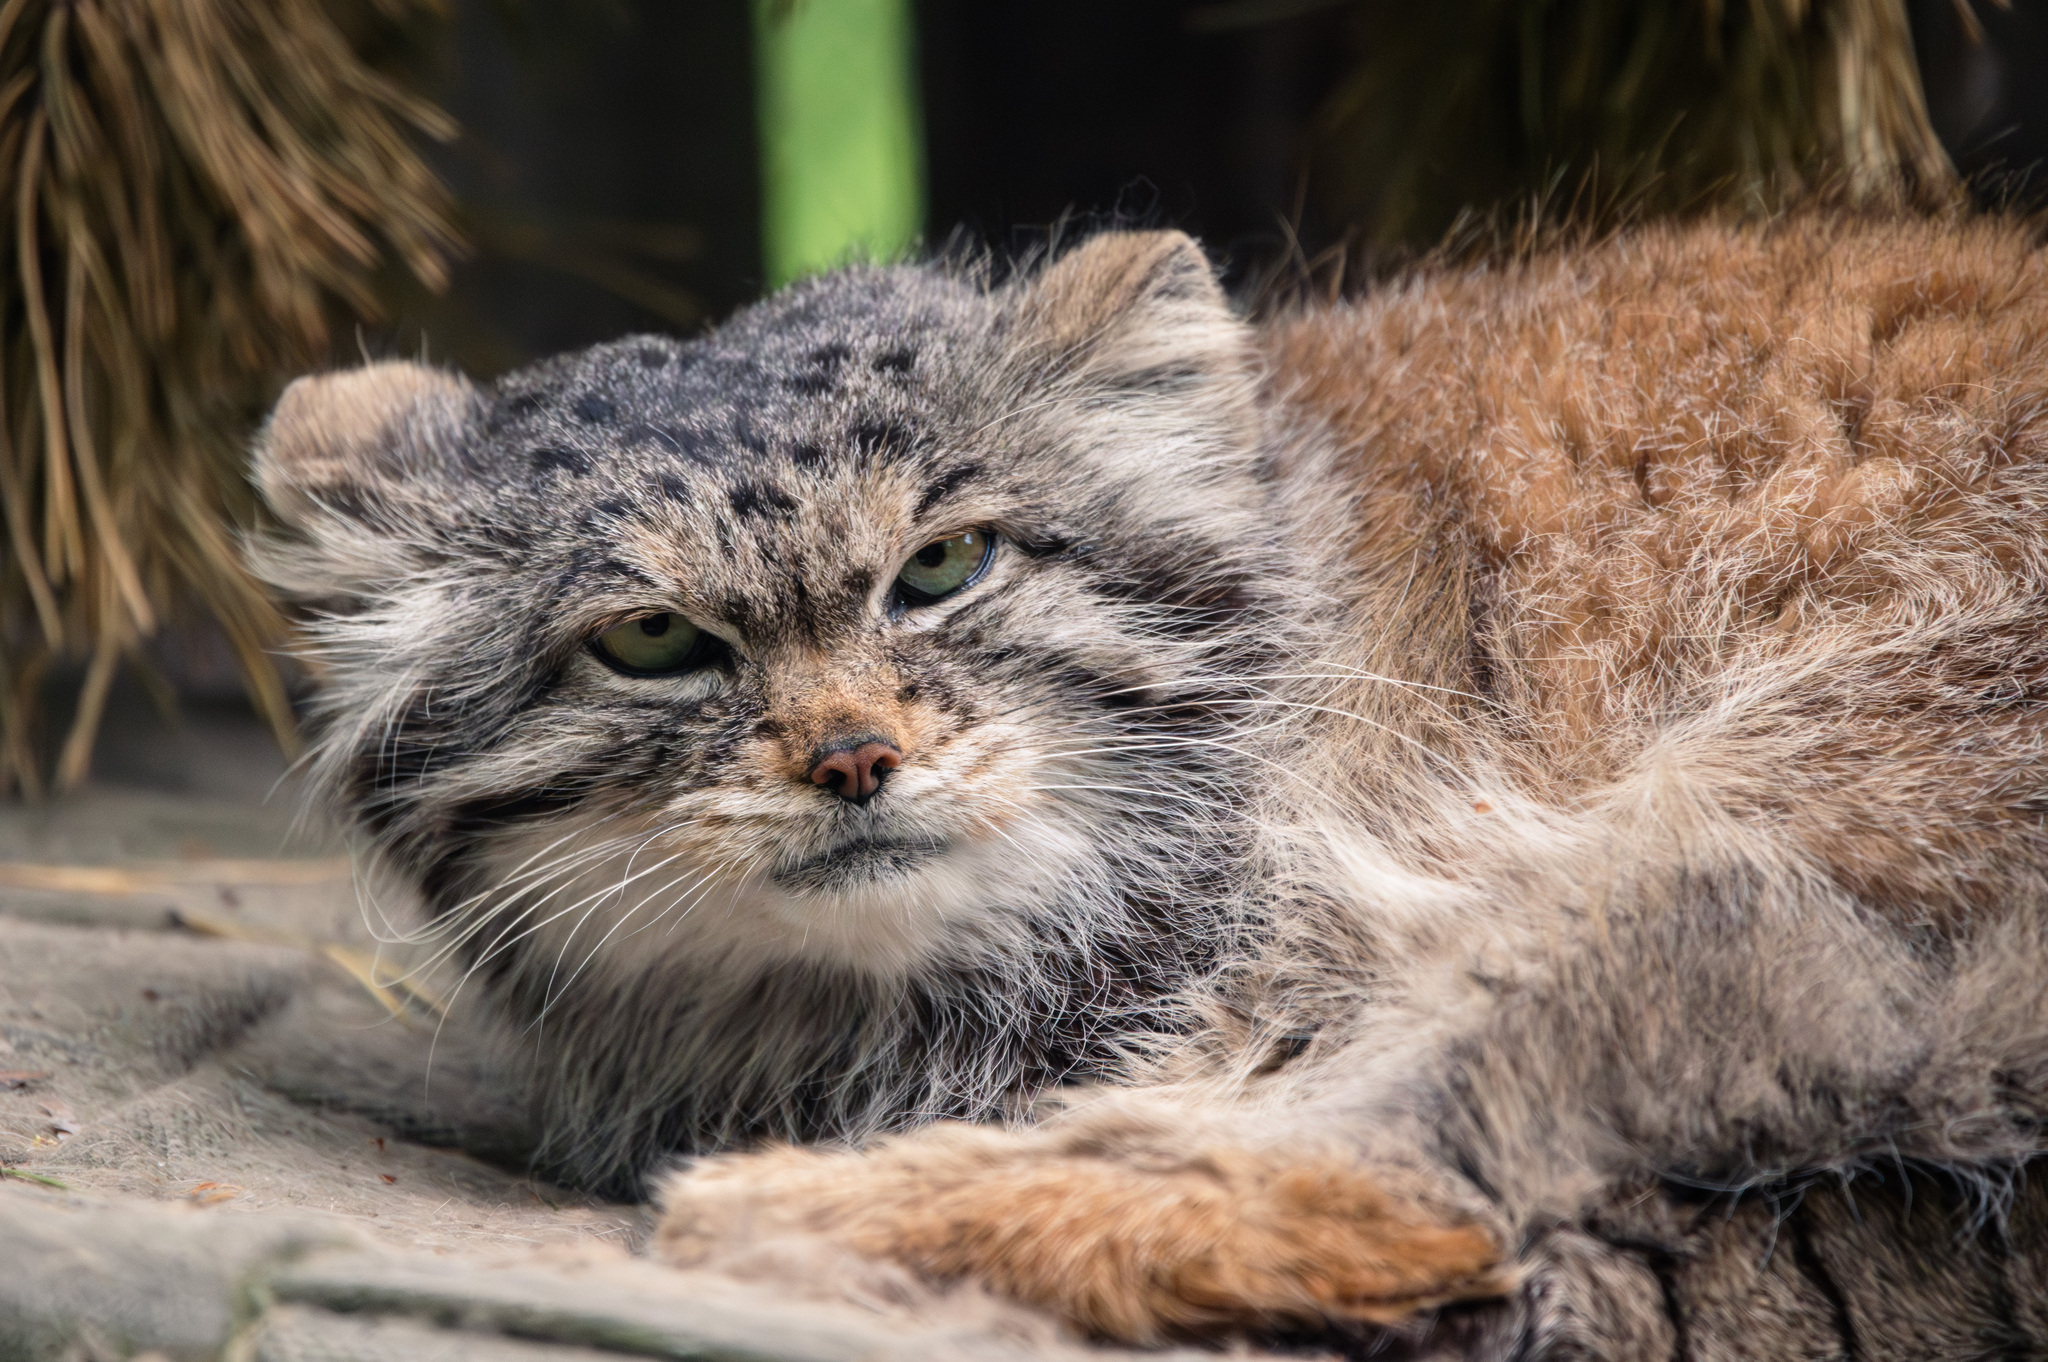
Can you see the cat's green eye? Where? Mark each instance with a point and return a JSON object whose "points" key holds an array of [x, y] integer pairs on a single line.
{"points": [[943, 566], [655, 645]]}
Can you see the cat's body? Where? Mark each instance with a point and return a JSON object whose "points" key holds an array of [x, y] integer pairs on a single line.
{"points": [[1566, 736]]}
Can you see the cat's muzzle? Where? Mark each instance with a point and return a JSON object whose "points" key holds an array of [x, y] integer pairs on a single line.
{"points": [[856, 862]]}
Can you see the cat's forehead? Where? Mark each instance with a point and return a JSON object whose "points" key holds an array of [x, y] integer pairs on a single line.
{"points": [[834, 368], [789, 454]]}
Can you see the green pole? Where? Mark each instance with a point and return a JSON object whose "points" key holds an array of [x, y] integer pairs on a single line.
{"points": [[842, 155]]}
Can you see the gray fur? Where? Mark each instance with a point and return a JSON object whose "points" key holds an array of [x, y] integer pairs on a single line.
{"points": [[1631, 1004], [768, 480]]}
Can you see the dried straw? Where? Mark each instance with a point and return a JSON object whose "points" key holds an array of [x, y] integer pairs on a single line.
{"points": [[196, 190]]}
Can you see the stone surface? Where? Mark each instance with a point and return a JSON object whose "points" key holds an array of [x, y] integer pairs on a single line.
{"points": [[82, 1279]]}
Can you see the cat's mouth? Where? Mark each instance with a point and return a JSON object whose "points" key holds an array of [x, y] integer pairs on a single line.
{"points": [[857, 862]]}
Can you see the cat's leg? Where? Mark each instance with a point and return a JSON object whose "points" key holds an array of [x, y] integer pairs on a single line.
{"points": [[1126, 1222], [1713, 1029]]}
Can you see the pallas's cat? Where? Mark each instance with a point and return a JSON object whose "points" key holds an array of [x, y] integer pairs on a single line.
{"points": [[1516, 786]]}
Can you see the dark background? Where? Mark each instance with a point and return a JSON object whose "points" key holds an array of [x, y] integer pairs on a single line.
{"points": [[608, 157]]}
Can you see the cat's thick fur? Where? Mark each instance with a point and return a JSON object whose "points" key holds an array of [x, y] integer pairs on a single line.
{"points": [[632, 866], [1581, 812]]}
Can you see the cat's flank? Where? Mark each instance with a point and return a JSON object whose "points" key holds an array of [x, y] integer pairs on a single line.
{"points": [[1527, 789]]}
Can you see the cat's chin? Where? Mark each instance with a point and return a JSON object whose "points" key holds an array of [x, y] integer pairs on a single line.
{"points": [[861, 863], [884, 905], [891, 903]]}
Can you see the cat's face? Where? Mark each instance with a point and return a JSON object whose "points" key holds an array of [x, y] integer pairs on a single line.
{"points": [[895, 619]]}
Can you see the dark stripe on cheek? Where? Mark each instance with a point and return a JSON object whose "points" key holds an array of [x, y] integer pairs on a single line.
{"points": [[1098, 689], [411, 749], [446, 881], [491, 813], [1197, 601], [1037, 545]]}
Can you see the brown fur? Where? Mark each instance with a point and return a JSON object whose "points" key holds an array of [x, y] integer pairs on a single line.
{"points": [[1689, 456], [1210, 1237], [1665, 847], [819, 702]]}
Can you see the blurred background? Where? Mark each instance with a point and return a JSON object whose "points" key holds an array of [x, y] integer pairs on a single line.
{"points": [[205, 197]]}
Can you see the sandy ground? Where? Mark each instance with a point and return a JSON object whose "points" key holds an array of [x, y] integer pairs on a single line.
{"points": [[176, 956]]}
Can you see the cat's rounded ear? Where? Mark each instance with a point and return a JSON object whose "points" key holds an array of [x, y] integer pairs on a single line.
{"points": [[360, 443], [1132, 310], [358, 463]]}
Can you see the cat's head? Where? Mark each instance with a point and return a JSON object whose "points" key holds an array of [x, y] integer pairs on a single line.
{"points": [[898, 617]]}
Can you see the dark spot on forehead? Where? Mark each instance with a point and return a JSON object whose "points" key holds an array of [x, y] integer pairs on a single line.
{"points": [[593, 408], [945, 485], [555, 459], [808, 455], [616, 507], [651, 356], [673, 487], [896, 362], [881, 435], [761, 499]]}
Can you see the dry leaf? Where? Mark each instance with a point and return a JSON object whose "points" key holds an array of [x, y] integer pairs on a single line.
{"points": [[62, 1118], [212, 1193]]}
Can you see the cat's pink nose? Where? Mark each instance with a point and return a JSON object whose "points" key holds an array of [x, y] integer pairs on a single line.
{"points": [[855, 772]]}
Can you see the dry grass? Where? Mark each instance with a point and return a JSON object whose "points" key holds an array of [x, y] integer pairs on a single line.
{"points": [[196, 190]]}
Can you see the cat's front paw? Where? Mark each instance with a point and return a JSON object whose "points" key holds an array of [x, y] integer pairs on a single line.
{"points": [[1122, 1242]]}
